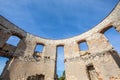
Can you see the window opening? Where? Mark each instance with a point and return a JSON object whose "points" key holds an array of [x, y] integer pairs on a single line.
{"points": [[39, 48], [83, 46], [114, 38], [60, 62], [13, 40], [92, 73], [3, 62]]}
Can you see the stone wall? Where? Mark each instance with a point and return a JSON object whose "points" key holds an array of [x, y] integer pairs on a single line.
{"points": [[99, 62]]}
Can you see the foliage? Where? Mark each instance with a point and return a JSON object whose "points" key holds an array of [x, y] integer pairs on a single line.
{"points": [[62, 77]]}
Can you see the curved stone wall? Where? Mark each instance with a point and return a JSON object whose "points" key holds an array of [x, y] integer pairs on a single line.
{"points": [[100, 58]]}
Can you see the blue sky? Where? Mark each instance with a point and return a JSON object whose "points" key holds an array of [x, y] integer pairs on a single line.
{"points": [[57, 19]]}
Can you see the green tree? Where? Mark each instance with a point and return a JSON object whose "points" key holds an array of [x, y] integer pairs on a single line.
{"points": [[62, 77]]}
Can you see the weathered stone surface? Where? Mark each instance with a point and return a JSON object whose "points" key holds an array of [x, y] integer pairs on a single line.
{"points": [[99, 62]]}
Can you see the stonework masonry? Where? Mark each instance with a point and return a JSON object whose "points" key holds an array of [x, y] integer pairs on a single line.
{"points": [[99, 62]]}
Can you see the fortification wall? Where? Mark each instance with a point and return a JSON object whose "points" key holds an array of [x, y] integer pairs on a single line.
{"points": [[100, 61]]}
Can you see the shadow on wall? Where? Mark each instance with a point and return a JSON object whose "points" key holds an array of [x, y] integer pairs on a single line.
{"points": [[7, 77], [36, 77], [116, 57], [113, 37]]}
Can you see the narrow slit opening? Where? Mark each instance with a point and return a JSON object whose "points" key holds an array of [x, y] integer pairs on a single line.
{"points": [[60, 63]]}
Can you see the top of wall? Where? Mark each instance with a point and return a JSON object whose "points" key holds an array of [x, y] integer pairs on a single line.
{"points": [[113, 19]]}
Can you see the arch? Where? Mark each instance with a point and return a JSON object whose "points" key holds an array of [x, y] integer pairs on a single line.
{"points": [[60, 45], [17, 34], [105, 29]]}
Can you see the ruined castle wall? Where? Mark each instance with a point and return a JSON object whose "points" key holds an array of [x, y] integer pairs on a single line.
{"points": [[99, 62]]}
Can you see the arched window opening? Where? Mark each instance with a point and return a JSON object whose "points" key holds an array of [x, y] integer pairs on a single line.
{"points": [[83, 46], [13, 40], [60, 62], [3, 62], [114, 38], [105, 29]]}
